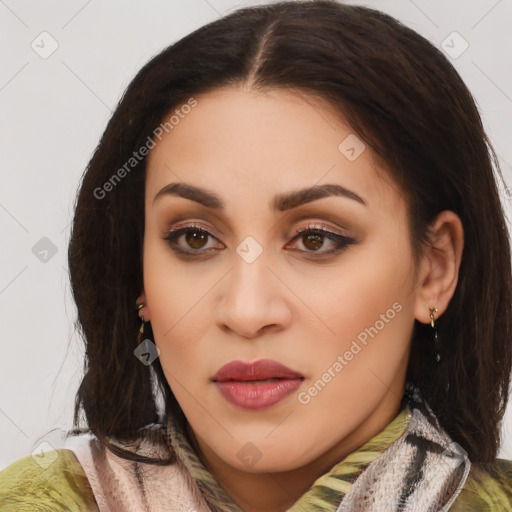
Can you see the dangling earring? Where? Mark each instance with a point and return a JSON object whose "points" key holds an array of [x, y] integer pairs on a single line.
{"points": [[141, 330], [432, 324], [146, 350]]}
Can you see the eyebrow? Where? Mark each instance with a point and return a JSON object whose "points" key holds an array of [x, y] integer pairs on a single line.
{"points": [[280, 202]]}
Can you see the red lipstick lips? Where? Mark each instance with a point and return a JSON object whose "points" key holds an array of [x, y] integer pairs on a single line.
{"points": [[256, 385], [258, 370]]}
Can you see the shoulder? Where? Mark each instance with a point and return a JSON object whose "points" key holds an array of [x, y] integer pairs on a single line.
{"points": [[52, 480], [488, 488]]}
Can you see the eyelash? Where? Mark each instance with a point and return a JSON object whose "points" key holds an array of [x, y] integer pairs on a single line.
{"points": [[342, 241]]}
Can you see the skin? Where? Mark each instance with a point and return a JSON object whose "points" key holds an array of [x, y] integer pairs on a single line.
{"points": [[286, 305]]}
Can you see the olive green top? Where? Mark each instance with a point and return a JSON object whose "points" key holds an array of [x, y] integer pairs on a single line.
{"points": [[61, 484]]}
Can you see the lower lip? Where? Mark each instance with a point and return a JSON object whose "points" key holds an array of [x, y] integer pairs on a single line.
{"points": [[257, 395]]}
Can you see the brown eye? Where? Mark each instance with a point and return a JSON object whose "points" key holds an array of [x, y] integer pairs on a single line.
{"points": [[313, 242], [196, 239], [314, 238]]}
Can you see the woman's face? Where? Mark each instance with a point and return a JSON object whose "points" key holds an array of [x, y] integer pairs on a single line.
{"points": [[335, 307]]}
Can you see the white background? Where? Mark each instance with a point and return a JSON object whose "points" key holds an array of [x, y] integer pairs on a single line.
{"points": [[53, 112]]}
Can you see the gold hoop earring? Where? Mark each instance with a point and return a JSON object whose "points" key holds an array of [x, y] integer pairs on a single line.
{"points": [[146, 350], [433, 325]]}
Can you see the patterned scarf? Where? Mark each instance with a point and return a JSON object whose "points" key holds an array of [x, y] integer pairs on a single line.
{"points": [[410, 466]]}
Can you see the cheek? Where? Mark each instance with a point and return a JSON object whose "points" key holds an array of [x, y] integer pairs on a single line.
{"points": [[354, 295], [173, 299], [365, 310]]}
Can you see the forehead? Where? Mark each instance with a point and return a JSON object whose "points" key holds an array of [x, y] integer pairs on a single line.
{"points": [[239, 141]]}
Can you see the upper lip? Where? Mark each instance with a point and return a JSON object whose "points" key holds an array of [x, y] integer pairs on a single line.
{"points": [[258, 370]]}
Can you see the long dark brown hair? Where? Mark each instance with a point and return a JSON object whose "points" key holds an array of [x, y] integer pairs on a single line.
{"points": [[405, 100]]}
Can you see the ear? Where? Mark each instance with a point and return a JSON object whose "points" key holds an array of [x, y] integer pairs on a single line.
{"points": [[439, 267], [144, 311]]}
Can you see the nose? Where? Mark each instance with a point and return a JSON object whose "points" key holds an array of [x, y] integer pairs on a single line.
{"points": [[253, 300]]}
